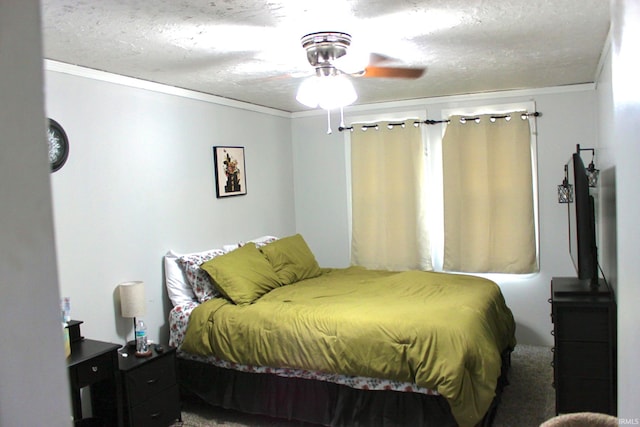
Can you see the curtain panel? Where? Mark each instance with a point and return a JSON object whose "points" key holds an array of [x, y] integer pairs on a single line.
{"points": [[488, 196], [389, 229]]}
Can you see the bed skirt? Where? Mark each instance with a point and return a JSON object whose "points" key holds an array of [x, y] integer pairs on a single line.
{"points": [[321, 402]]}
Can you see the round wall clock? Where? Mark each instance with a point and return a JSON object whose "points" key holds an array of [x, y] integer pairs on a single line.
{"points": [[58, 145]]}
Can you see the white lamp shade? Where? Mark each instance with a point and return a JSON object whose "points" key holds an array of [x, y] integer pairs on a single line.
{"points": [[132, 299], [328, 92]]}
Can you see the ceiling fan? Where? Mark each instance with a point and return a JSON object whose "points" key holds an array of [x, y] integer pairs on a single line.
{"points": [[329, 88], [326, 52]]}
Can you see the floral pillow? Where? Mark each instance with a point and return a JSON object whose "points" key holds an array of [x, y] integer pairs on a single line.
{"points": [[199, 280]]}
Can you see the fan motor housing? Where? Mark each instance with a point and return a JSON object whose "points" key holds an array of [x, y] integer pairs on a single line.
{"points": [[325, 46]]}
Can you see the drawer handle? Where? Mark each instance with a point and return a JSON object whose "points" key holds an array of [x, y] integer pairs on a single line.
{"points": [[152, 381], [94, 368], [154, 416], [553, 333]]}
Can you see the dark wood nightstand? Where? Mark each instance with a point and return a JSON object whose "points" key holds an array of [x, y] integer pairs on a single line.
{"points": [[149, 388], [94, 364]]}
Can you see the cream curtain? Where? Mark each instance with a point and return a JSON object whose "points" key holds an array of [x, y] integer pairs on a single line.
{"points": [[488, 196], [388, 222]]}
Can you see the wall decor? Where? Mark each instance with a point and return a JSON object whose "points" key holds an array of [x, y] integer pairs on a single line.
{"points": [[230, 172], [58, 145]]}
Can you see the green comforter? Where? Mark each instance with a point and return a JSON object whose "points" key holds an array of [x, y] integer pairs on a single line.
{"points": [[441, 331]]}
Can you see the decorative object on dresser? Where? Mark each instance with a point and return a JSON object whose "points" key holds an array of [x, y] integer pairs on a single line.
{"points": [[93, 364], [230, 173], [149, 388], [584, 353], [133, 306]]}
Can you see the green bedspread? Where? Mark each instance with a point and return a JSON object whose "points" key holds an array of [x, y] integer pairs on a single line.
{"points": [[441, 331]]}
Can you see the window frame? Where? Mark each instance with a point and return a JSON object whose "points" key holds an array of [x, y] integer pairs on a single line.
{"points": [[432, 137]]}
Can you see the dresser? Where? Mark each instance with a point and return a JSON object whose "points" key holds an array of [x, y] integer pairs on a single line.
{"points": [[584, 352], [149, 388]]}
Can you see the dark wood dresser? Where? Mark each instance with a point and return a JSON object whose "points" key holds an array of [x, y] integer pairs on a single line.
{"points": [[584, 353]]}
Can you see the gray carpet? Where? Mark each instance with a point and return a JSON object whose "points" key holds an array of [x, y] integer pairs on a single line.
{"points": [[526, 402]]}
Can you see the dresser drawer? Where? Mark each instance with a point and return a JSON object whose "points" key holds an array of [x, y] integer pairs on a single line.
{"points": [[584, 360], [150, 378], [582, 324], [584, 395], [94, 370], [161, 411]]}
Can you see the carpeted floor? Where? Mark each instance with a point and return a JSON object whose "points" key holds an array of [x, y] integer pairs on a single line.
{"points": [[526, 402]]}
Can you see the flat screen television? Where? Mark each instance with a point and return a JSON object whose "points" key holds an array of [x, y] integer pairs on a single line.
{"points": [[582, 229]]}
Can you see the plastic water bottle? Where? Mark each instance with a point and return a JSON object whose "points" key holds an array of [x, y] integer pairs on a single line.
{"points": [[142, 346], [66, 310]]}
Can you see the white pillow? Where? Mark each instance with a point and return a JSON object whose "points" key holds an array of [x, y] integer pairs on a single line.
{"points": [[229, 248], [261, 241], [178, 287]]}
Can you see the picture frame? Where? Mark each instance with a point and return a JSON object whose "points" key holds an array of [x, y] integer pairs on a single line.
{"points": [[230, 173]]}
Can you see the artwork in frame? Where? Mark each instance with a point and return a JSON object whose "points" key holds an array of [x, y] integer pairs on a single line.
{"points": [[230, 172]]}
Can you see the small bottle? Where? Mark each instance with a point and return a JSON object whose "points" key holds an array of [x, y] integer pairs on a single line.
{"points": [[66, 310], [142, 346]]}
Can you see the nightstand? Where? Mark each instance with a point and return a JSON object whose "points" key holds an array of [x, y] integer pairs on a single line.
{"points": [[149, 388], [94, 364]]}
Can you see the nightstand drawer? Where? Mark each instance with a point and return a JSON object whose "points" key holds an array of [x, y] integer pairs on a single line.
{"points": [[94, 370], [161, 411], [150, 378]]}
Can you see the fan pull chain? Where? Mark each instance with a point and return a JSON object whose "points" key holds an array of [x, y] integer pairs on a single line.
{"points": [[328, 122]]}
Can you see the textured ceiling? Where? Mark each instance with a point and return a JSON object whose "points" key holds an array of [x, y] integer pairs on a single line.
{"points": [[249, 50]]}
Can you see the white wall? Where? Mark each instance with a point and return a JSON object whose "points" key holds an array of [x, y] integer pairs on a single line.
{"points": [[569, 118], [140, 181], [625, 149], [34, 389]]}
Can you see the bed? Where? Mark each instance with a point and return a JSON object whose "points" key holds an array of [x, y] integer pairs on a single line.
{"points": [[261, 328]]}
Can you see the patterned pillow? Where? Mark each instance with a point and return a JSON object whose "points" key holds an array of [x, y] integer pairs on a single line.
{"points": [[199, 280]]}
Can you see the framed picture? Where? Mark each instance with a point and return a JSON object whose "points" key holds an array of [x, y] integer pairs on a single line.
{"points": [[230, 173]]}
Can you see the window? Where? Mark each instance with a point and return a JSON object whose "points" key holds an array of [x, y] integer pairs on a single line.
{"points": [[489, 224], [387, 181], [478, 200]]}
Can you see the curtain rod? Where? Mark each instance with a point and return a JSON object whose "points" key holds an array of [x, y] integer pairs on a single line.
{"points": [[463, 119]]}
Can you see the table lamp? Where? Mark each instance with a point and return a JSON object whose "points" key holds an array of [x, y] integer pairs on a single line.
{"points": [[132, 303]]}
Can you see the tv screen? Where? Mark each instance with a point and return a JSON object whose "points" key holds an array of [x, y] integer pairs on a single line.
{"points": [[582, 224]]}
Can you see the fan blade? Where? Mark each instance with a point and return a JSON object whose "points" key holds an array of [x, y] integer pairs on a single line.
{"points": [[393, 72]]}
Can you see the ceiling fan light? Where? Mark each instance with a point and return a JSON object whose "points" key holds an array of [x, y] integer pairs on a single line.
{"points": [[327, 92], [336, 92], [309, 92]]}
